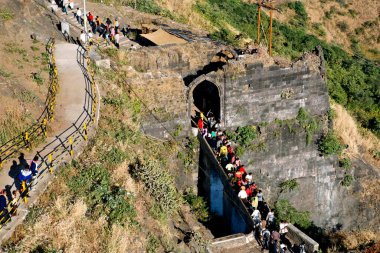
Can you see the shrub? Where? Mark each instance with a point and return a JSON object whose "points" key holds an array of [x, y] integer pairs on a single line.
{"points": [[347, 180], [159, 183], [239, 151], [103, 198], [343, 26], [289, 185], [4, 73], [308, 123], [153, 243], [345, 163], [198, 206], [285, 211], [114, 156], [301, 14], [178, 130], [6, 14], [37, 78], [330, 145], [245, 135]]}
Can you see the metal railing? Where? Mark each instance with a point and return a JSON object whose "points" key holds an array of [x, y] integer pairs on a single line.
{"points": [[63, 145], [33, 134]]}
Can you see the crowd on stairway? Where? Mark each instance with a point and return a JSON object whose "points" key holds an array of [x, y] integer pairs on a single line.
{"points": [[270, 233], [108, 29], [25, 177]]}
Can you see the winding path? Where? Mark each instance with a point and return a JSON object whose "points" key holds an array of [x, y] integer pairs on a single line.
{"points": [[73, 109]]}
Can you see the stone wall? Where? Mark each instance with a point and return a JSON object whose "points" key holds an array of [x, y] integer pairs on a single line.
{"points": [[285, 155], [178, 58], [258, 94]]}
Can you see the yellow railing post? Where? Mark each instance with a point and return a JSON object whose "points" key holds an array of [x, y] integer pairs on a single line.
{"points": [[85, 131], [71, 146], [50, 159], [24, 191]]}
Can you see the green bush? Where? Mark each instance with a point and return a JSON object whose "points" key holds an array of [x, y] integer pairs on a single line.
{"points": [[159, 183], [114, 156], [153, 243], [103, 198], [198, 206], [347, 180], [37, 78], [308, 123], [245, 135], [289, 185], [345, 163], [301, 15], [285, 211], [6, 14], [330, 145]]}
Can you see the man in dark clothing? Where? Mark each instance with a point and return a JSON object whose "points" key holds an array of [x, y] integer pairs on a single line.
{"points": [[3, 208], [275, 238], [34, 166]]}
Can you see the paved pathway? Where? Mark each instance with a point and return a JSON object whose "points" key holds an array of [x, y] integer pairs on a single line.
{"points": [[71, 99]]}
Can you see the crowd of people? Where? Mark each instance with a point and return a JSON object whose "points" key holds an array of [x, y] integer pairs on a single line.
{"points": [[105, 28], [25, 179], [269, 233]]}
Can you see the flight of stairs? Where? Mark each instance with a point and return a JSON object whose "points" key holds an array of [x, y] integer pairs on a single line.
{"points": [[76, 28]]}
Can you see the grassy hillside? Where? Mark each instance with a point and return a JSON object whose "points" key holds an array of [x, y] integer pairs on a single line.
{"points": [[120, 196]]}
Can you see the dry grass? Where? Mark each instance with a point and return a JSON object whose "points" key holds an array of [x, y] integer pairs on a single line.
{"points": [[352, 240], [66, 226], [361, 143]]}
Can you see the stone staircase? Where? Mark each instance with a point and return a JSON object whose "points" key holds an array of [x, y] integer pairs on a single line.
{"points": [[76, 28]]}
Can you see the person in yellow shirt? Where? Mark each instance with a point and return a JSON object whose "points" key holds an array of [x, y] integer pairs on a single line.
{"points": [[255, 202], [223, 151]]}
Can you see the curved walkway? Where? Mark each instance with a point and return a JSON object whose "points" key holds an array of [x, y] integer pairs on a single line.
{"points": [[75, 110]]}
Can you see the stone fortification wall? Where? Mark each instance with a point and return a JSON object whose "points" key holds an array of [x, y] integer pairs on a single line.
{"points": [[262, 94], [285, 155], [162, 93], [179, 58]]}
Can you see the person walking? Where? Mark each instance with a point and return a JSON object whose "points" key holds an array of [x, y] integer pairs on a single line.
{"points": [[79, 16], [275, 238], [34, 169], [3, 207]]}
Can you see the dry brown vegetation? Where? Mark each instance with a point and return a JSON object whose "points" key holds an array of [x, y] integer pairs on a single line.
{"points": [[361, 143], [23, 65], [352, 241]]}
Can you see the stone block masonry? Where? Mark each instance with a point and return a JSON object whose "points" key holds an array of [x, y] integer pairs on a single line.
{"points": [[266, 94]]}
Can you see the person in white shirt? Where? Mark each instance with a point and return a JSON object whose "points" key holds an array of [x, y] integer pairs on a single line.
{"points": [[71, 4], [243, 194], [256, 215], [249, 178], [79, 16], [83, 38], [117, 39]]}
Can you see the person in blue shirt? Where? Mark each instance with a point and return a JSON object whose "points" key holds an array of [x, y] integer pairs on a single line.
{"points": [[3, 208], [25, 175]]}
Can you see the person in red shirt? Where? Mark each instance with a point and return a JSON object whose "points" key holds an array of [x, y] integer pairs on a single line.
{"points": [[200, 124], [238, 174], [242, 170], [90, 18]]}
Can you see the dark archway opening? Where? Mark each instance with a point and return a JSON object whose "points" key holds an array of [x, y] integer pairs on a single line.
{"points": [[206, 99]]}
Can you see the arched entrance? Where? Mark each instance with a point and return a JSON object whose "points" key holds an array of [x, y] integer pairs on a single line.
{"points": [[206, 99]]}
